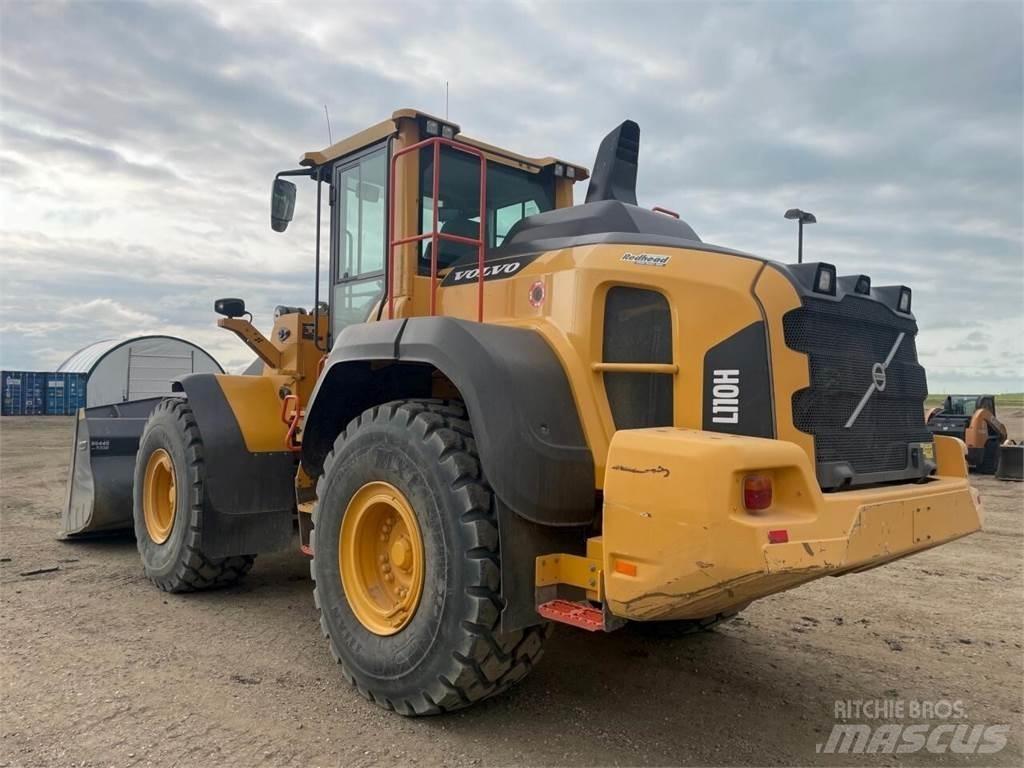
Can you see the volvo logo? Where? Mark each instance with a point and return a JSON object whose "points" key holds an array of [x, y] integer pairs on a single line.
{"points": [[878, 376], [878, 380]]}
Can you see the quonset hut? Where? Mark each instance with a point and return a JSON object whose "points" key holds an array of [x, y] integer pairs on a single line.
{"points": [[131, 369]]}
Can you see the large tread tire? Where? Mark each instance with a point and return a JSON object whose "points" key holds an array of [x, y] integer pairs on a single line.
{"points": [[179, 563], [451, 653]]}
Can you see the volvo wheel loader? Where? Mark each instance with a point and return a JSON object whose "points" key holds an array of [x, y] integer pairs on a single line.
{"points": [[507, 411]]}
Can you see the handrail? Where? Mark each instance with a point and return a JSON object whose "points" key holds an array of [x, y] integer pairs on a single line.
{"points": [[435, 235], [666, 211], [671, 368]]}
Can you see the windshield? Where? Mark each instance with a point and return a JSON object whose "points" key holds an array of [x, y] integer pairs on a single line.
{"points": [[963, 405], [512, 194]]}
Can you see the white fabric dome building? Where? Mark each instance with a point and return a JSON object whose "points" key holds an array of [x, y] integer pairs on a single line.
{"points": [[136, 368]]}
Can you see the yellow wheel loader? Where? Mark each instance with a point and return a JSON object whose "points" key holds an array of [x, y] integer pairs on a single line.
{"points": [[510, 411]]}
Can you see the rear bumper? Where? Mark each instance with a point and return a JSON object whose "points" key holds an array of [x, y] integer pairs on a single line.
{"points": [[674, 516]]}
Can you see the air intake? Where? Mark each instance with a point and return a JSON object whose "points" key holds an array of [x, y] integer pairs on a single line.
{"points": [[614, 175]]}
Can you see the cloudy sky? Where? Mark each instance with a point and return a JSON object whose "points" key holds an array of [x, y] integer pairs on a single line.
{"points": [[137, 144]]}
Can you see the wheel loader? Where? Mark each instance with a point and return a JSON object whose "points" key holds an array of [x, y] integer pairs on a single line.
{"points": [[971, 418], [507, 410]]}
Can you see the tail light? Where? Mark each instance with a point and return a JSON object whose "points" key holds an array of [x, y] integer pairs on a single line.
{"points": [[757, 492]]}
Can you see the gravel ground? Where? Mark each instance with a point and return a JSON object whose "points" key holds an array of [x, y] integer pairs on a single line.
{"points": [[101, 669]]}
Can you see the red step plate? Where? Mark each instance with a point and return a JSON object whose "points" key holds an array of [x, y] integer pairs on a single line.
{"points": [[574, 614]]}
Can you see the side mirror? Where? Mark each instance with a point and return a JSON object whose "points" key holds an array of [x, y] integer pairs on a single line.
{"points": [[229, 307], [282, 204]]}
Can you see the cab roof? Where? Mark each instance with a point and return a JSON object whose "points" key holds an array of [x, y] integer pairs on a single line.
{"points": [[389, 127]]}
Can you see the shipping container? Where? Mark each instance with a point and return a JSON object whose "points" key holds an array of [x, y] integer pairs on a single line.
{"points": [[24, 393], [65, 393]]}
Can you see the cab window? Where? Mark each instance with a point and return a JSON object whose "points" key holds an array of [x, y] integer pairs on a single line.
{"points": [[512, 194]]}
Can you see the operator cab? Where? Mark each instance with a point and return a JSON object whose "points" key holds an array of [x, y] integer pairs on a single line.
{"points": [[361, 174]]}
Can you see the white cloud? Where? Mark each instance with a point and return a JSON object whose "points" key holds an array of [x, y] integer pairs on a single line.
{"points": [[105, 313], [137, 143]]}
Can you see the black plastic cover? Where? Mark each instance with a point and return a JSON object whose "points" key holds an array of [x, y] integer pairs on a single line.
{"points": [[738, 395], [524, 416], [604, 221], [614, 176], [250, 500]]}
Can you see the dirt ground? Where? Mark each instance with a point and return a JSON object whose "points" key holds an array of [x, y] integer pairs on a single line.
{"points": [[98, 668]]}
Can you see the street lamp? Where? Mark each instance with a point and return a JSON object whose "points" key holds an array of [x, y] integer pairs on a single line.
{"points": [[804, 218]]}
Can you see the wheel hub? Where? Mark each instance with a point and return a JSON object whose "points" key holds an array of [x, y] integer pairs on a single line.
{"points": [[159, 496], [380, 558]]}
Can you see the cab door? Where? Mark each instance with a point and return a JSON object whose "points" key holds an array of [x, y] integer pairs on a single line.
{"points": [[358, 237]]}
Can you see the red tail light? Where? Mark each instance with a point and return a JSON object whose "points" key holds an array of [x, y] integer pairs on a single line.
{"points": [[757, 492]]}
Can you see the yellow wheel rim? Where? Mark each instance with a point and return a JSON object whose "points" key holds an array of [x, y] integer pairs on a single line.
{"points": [[380, 557], [159, 496]]}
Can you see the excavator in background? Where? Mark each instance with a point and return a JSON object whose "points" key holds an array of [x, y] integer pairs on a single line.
{"points": [[512, 410], [971, 418]]}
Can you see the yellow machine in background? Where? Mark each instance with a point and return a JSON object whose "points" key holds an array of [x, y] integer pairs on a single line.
{"points": [[512, 410]]}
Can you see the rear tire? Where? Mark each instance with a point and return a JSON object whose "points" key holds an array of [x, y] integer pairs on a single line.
{"points": [[172, 549], [990, 459], [450, 652]]}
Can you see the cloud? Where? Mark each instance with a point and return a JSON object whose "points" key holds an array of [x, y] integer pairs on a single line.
{"points": [[137, 143], [105, 312]]}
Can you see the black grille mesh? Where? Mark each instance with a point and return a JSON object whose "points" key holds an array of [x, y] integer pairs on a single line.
{"points": [[843, 340]]}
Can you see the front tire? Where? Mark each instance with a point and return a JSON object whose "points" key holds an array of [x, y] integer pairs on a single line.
{"points": [[439, 648], [168, 494]]}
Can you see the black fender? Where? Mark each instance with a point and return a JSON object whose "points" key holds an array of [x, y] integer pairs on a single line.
{"points": [[524, 417], [250, 497]]}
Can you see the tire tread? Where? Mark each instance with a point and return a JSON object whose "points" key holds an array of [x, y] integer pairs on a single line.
{"points": [[195, 571], [486, 661]]}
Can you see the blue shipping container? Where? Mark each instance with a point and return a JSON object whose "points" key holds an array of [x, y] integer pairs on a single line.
{"points": [[24, 393], [65, 393]]}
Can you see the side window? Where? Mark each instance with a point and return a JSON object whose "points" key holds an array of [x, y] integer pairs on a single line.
{"points": [[360, 213], [512, 194], [505, 218]]}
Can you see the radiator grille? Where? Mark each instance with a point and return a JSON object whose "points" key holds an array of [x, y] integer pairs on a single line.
{"points": [[844, 340]]}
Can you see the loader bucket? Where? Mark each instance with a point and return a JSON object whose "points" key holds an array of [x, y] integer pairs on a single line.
{"points": [[99, 494], [1011, 462]]}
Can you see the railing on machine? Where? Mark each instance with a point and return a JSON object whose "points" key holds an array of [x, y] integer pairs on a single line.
{"points": [[435, 235]]}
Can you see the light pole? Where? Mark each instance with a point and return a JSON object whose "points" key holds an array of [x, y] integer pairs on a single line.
{"points": [[803, 217]]}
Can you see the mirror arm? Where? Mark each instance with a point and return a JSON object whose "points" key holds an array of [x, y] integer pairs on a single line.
{"points": [[296, 172]]}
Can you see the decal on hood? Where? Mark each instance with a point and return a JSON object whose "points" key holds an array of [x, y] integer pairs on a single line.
{"points": [[494, 269]]}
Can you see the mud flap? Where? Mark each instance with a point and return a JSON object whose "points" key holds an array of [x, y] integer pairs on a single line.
{"points": [[99, 489]]}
